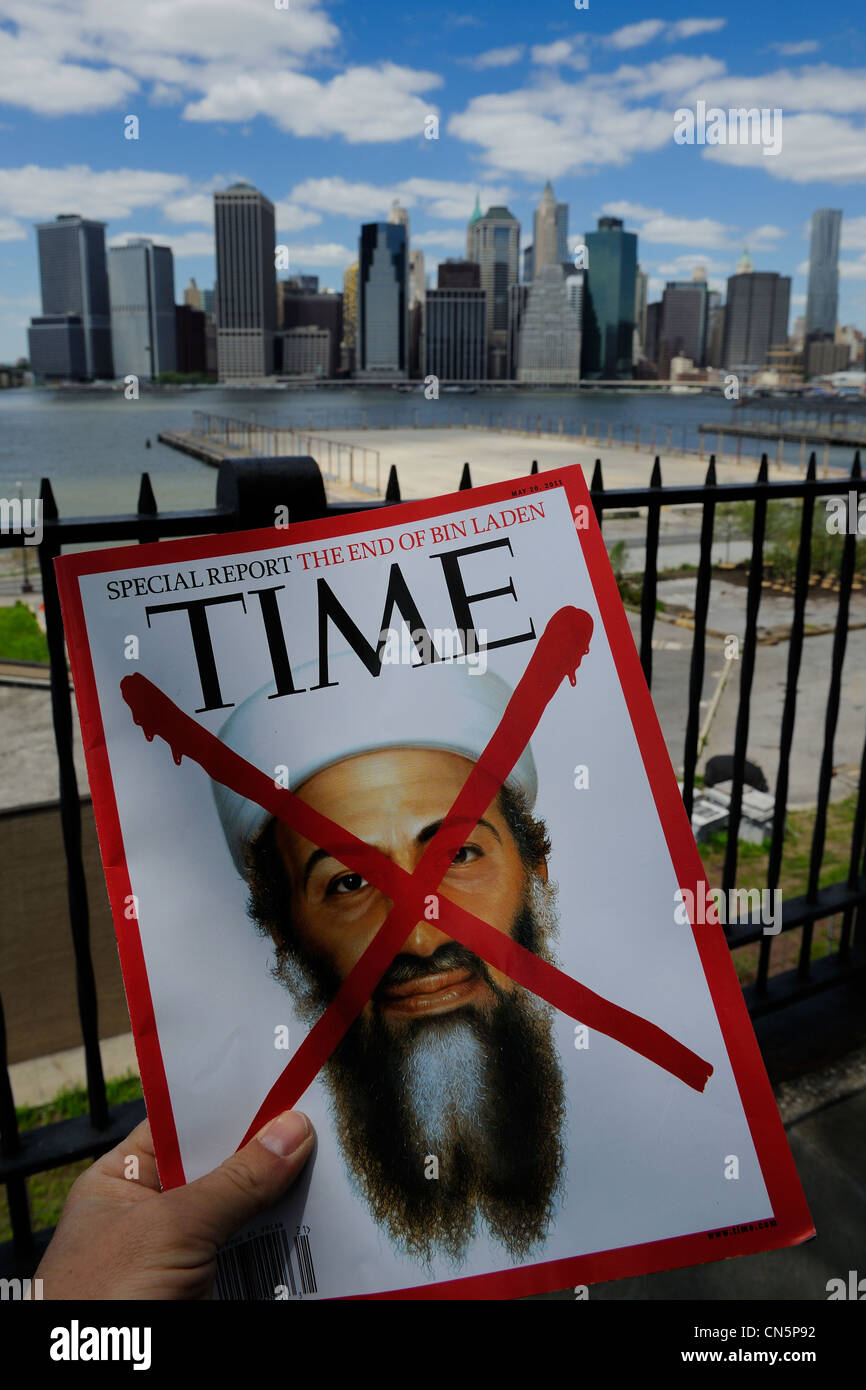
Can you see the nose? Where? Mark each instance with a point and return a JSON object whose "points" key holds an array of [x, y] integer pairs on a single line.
{"points": [[425, 937]]}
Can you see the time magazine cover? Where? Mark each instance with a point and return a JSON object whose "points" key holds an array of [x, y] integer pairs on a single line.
{"points": [[391, 834]]}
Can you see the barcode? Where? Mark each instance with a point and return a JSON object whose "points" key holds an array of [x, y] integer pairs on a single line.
{"points": [[265, 1265]]}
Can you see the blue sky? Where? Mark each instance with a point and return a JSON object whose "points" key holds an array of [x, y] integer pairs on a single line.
{"points": [[323, 104]]}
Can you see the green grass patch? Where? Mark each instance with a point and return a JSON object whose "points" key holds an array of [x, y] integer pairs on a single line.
{"points": [[753, 863], [21, 638], [48, 1191]]}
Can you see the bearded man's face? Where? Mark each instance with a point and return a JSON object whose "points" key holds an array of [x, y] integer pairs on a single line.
{"points": [[446, 1090]]}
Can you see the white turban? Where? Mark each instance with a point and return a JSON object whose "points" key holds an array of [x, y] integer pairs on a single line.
{"points": [[447, 705]]}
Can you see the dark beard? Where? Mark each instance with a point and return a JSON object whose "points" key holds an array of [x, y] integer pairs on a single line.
{"points": [[478, 1089]]}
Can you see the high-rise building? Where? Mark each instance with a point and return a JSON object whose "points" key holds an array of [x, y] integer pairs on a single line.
{"points": [[192, 295], [684, 319], [349, 346], [383, 300], [641, 286], [549, 351], [246, 304], [191, 338], [455, 338], [822, 295], [417, 277], [459, 275], [715, 328], [608, 316], [823, 357], [528, 263], [143, 327], [517, 296], [74, 280], [653, 331], [399, 216], [304, 351], [545, 238], [550, 233], [756, 317], [494, 244], [305, 309]]}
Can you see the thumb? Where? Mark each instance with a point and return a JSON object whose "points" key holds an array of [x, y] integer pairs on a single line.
{"points": [[251, 1180]]}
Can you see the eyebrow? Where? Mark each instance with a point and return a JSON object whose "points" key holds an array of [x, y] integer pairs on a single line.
{"points": [[423, 837]]}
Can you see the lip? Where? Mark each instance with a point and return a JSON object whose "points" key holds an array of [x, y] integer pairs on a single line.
{"points": [[433, 994]]}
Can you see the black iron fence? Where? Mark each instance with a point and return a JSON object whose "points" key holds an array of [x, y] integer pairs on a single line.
{"points": [[247, 492]]}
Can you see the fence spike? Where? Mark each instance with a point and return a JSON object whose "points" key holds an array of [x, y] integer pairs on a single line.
{"points": [[597, 484], [656, 475], [146, 499], [465, 479], [534, 468], [811, 467], [710, 479], [392, 491], [763, 471], [855, 466], [49, 505]]}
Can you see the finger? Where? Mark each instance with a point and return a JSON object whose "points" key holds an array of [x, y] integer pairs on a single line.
{"points": [[132, 1159], [251, 1180]]}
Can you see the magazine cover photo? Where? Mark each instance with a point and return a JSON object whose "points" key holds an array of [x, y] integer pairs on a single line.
{"points": [[390, 833]]}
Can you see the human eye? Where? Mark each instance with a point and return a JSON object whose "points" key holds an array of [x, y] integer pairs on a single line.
{"points": [[467, 854], [346, 883]]}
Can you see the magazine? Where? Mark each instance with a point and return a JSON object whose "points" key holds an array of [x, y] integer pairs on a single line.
{"points": [[391, 835]]}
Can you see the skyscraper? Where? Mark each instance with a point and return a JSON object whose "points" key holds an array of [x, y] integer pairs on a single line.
{"points": [[399, 216], [549, 350], [74, 280], [822, 297], [684, 320], [143, 326], [383, 300], [349, 347], [459, 275], [608, 316], [545, 239], [246, 306], [310, 309], [756, 317], [455, 341], [641, 285], [493, 242]]}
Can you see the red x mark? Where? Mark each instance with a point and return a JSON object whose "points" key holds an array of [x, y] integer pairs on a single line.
{"points": [[559, 651]]}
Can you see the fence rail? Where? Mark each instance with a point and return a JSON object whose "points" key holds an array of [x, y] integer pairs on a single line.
{"points": [[244, 492]]}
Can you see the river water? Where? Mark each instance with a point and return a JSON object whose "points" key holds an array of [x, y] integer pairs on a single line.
{"points": [[93, 445]]}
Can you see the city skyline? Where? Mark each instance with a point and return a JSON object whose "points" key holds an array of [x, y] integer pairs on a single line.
{"points": [[304, 104]]}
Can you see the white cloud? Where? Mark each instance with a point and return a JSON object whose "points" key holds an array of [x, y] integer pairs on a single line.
{"points": [[635, 35], [853, 234], [291, 218], [230, 60], [10, 230], [438, 197], [793, 50], [365, 105], [321, 253], [497, 57], [821, 87], [681, 267], [183, 244], [37, 192], [689, 28], [449, 239], [815, 148], [798, 301], [852, 270], [559, 128]]}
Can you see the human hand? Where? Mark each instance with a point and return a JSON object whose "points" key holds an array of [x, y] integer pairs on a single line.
{"points": [[121, 1237]]}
